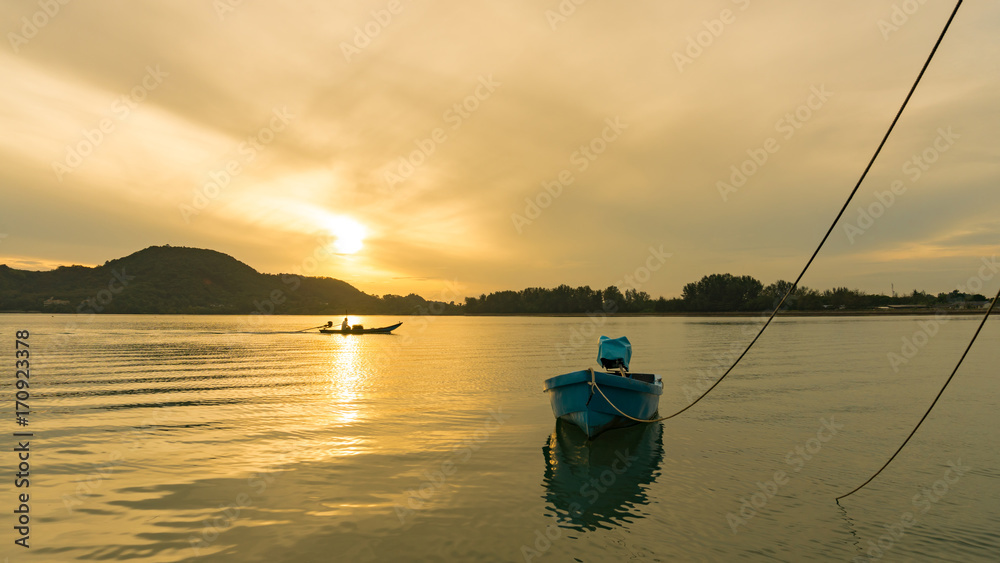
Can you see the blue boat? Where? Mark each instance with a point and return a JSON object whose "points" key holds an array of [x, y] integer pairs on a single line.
{"points": [[597, 401]]}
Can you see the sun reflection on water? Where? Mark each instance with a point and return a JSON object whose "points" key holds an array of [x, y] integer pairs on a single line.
{"points": [[347, 375]]}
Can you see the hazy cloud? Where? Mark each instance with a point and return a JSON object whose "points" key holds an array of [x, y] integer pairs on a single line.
{"points": [[481, 106]]}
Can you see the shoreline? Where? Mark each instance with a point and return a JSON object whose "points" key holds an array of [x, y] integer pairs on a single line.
{"points": [[839, 313], [859, 313]]}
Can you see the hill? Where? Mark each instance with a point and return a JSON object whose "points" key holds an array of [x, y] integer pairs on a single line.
{"points": [[171, 279]]}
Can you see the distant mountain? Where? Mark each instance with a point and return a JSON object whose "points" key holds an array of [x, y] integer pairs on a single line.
{"points": [[173, 279]]}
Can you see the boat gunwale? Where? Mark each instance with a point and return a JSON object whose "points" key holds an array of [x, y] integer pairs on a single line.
{"points": [[378, 330], [603, 379]]}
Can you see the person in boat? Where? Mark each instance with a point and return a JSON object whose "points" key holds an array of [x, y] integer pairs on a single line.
{"points": [[344, 325]]}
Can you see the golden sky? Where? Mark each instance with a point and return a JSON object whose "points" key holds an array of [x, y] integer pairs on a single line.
{"points": [[502, 145]]}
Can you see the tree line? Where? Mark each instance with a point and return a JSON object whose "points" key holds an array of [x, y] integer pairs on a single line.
{"points": [[171, 280], [713, 293]]}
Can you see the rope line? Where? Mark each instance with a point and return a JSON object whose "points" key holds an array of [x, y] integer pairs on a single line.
{"points": [[795, 284], [834, 224], [594, 385], [943, 387]]}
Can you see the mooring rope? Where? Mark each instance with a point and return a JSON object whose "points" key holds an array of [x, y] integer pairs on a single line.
{"points": [[834, 224], [943, 387], [864, 174], [594, 385]]}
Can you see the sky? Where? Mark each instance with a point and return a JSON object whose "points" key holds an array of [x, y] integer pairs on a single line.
{"points": [[450, 149]]}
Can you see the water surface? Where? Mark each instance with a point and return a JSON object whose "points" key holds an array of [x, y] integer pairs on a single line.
{"points": [[187, 438]]}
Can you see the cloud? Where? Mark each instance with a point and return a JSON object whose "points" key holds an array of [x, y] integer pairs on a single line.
{"points": [[357, 117]]}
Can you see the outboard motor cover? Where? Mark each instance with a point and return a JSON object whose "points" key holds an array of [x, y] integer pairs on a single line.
{"points": [[613, 353]]}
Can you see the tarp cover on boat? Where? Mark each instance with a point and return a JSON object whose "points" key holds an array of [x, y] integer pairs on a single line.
{"points": [[614, 352]]}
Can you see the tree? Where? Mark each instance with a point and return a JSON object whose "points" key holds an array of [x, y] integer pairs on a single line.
{"points": [[722, 292], [613, 298], [637, 301]]}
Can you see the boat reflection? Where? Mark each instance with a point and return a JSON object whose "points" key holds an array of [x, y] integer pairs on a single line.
{"points": [[601, 483]]}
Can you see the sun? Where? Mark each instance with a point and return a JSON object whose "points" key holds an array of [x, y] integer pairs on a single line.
{"points": [[348, 234]]}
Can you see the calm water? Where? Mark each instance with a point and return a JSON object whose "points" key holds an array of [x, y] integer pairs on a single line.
{"points": [[164, 438]]}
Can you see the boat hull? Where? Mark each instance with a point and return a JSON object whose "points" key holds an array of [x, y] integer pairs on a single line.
{"points": [[382, 330], [573, 400]]}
